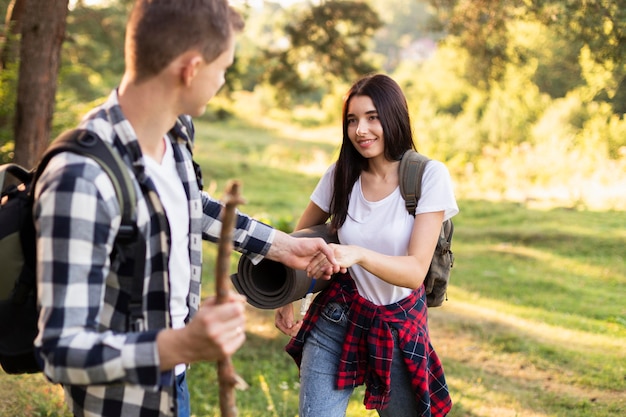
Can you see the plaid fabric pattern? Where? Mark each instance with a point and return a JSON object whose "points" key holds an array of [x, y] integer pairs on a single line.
{"points": [[83, 339], [368, 348]]}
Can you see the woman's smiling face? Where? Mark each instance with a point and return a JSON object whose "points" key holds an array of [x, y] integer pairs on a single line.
{"points": [[364, 128]]}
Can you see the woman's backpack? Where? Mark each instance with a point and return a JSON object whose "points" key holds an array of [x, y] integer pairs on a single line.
{"points": [[436, 281]]}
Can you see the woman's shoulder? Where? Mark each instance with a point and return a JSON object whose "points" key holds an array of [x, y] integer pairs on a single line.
{"points": [[437, 190], [436, 171], [437, 166]]}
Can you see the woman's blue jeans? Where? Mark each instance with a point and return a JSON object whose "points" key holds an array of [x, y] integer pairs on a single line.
{"points": [[318, 372]]}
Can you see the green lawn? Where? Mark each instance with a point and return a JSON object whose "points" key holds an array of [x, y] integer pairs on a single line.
{"points": [[535, 324]]}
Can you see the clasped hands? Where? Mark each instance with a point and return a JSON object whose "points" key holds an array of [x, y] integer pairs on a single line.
{"points": [[338, 258], [323, 264]]}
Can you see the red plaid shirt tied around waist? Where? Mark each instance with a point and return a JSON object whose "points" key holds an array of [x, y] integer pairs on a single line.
{"points": [[368, 348]]}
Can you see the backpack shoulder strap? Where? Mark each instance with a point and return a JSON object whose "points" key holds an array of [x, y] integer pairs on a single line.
{"points": [[87, 143], [131, 244], [411, 171], [16, 171]]}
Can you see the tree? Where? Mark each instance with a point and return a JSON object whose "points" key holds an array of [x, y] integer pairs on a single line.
{"points": [[325, 43], [93, 51], [406, 23], [482, 27], [9, 54], [479, 26], [12, 29], [600, 26], [43, 30]]}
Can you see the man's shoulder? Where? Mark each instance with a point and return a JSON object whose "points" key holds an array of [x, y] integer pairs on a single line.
{"points": [[98, 122], [78, 173], [108, 121]]}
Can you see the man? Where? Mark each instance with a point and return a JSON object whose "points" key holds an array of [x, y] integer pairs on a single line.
{"points": [[176, 52]]}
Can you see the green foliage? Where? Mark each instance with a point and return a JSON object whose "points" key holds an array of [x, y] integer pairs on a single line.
{"points": [[263, 156], [92, 60], [8, 87], [599, 24], [324, 44], [8, 98], [93, 54], [480, 27], [485, 29], [404, 22], [526, 138], [540, 53]]}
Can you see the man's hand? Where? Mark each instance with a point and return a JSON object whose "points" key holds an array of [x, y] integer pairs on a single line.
{"points": [[215, 332], [310, 254]]}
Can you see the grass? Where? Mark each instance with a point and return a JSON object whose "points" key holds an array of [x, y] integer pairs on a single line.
{"points": [[535, 324]]}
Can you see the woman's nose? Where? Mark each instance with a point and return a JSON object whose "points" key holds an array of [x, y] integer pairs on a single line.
{"points": [[361, 128]]}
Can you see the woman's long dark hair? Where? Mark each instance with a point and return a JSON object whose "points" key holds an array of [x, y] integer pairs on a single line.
{"points": [[393, 113]]}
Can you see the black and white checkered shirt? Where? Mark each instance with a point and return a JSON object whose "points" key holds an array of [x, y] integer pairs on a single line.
{"points": [[83, 339]]}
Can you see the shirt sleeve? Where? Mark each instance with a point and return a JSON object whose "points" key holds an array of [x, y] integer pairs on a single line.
{"points": [[250, 237], [437, 191], [77, 217], [323, 193]]}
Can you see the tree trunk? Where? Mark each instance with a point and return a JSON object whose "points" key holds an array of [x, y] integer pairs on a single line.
{"points": [[12, 28], [43, 30]]}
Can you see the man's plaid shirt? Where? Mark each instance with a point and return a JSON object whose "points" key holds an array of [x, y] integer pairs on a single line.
{"points": [[368, 347], [83, 340]]}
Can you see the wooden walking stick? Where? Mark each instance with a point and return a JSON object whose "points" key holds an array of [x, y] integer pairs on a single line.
{"points": [[227, 377]]}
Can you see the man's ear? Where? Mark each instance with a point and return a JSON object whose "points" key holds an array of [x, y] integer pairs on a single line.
{"points": [[190, 68]]}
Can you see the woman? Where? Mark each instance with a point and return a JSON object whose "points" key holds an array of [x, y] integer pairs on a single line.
{"points": [[370, 325]]}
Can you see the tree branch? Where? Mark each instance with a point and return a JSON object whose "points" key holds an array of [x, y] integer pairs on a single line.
{"points": [[227, 377]]}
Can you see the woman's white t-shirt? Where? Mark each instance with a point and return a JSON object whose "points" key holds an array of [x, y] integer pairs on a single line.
{"points": [[385, 226], [174, 199]]}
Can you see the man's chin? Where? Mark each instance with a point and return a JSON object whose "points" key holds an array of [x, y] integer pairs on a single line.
{"points": [[199, 112]]}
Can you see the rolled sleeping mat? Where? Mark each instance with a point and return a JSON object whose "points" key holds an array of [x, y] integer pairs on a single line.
{"points": [[270, 284]]}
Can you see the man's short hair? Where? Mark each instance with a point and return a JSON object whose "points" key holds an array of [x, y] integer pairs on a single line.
{"points": [[158, 31]]}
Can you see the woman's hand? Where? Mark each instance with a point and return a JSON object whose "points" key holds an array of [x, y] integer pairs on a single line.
{"points": [[346, 255], [284, 321]]}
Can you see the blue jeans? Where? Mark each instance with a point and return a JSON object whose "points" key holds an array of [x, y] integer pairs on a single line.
{"points": [[318, 372], [182, 396]]}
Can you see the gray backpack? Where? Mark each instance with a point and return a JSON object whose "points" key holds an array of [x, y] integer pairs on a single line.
{"points": [[436, 281]]}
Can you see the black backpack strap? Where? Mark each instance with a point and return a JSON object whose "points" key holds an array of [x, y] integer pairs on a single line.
{"points": [[16, 171], [129, 243], [87, 143], [412, 166], [12, 178]]}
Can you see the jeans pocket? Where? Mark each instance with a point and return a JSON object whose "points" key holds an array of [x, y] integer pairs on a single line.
{"points": [[335, 312]]}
